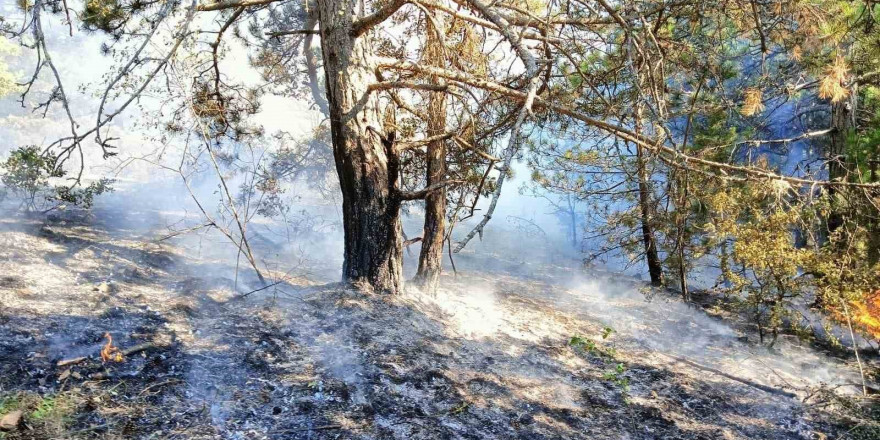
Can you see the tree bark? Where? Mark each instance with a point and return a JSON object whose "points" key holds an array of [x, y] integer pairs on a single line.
{"points": [[655, 267], [841, 123], [572, 218], [431, 255], [366, 160]]}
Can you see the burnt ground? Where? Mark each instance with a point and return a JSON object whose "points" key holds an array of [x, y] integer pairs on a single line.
{"points": [[487, 356]]}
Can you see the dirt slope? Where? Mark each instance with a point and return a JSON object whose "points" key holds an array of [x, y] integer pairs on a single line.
{"points": [[487, 356]]}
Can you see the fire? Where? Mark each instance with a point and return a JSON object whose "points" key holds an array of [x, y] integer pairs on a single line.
{"points": [[867, 314], [111, 352]]}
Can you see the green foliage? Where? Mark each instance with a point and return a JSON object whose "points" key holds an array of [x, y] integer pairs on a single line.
{"points": [[47, 414], [45, 409], [108, 15], [714, 135], [8, 404], [7, 79], [616, 370], [83, 197], [27, 175], [863, 143], [616, 376], [581, 343]]}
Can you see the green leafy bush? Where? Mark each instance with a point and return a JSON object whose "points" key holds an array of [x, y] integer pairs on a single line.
{"points": [[27, 174]]}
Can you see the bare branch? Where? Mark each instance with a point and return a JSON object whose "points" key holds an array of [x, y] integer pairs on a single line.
{"points": [[366, 23], [312, 68], [229, 4], [422, 193], [294, 32], [402, 146]]}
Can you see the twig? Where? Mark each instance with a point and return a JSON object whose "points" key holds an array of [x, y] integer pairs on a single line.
{"points": [[92, 428], [167, 382], [245, 295], [855, 347], [184, 231], [316, 428], [66, 362]]}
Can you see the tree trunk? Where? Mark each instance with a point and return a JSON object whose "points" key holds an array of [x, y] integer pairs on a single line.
{"points": [[655, 267], [572, 217], [366, 160], [431, 256], [841, 115]]}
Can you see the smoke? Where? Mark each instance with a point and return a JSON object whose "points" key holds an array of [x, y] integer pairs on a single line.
{"points": [[659, 323], [521, 280]]}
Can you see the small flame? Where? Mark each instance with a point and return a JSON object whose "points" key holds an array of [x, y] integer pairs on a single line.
{"points": [[111, 352], [867, 313]]}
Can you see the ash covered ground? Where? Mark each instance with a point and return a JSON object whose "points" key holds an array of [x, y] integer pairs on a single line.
{"points": [[528, 351]]}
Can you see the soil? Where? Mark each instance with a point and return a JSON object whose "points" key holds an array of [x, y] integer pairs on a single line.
{"points": [[489, 355]]}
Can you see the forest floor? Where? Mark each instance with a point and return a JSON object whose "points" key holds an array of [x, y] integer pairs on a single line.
{"points": [[542, 353]]}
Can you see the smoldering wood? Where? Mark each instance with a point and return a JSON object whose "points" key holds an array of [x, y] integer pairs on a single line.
{"points": [[127, 352]]}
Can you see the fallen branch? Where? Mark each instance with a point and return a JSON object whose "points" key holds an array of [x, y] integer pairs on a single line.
{"points": [[765, 388], [129, 351], [316, 428], [66, 362], [89, 429], [155, 385], [138, 348]]}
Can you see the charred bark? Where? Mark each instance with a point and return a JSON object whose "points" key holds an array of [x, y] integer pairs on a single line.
{"points": [[655, 267], [365, 156], [431, 255]]}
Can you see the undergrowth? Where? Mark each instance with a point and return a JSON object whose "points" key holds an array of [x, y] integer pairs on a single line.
{"points": [[615, 370], [44, 415]]}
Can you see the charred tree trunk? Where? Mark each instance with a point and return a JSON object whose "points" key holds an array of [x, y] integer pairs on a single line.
{"points": [[836, 168], [431, 256], [572, 218], [655, 267], [365, 156]]}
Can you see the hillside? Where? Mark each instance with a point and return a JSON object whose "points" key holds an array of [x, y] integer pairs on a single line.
{"points": [[549, 353]]}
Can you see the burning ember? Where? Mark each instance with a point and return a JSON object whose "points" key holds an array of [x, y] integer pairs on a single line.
{"points": [[111, 352]]}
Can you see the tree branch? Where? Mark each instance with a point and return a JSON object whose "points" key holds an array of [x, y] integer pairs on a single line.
{"points": [[367, 22], [402, 146], [422, 193], [293, 32], [677, 158], [229, 4], [312, 67]]}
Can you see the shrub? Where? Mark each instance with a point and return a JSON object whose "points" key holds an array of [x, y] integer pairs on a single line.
{"points": [[27, 176]]}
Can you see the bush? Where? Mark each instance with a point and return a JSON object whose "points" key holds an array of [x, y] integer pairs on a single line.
{"points": [[27, 174]]}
